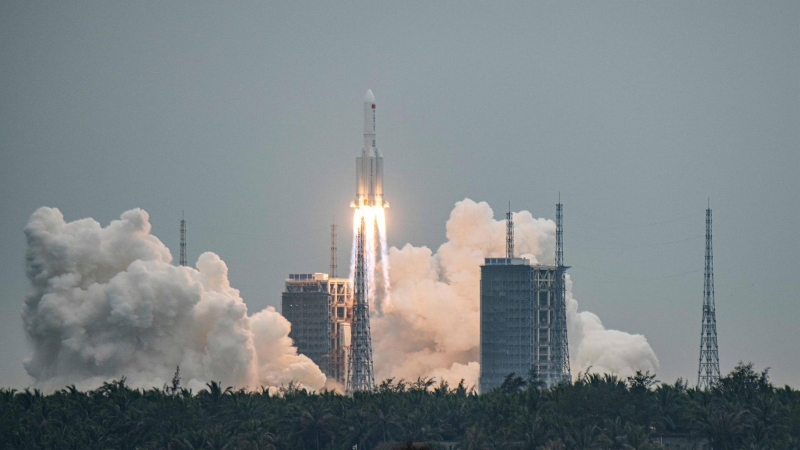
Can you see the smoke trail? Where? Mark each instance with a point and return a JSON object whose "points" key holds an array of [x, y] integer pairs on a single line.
{"points": [[431, 327], [106, 303], [381, 218], [371, 257]]}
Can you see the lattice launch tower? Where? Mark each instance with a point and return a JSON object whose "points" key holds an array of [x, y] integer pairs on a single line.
{"points": [[360, 373]]}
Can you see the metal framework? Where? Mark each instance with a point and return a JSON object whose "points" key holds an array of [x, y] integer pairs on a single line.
{"points": [[559, 233], [545, 290], [708, 372], [509, 233], [183, 242], [334, 262], [360, 372], [560, 341], [341, 312]]}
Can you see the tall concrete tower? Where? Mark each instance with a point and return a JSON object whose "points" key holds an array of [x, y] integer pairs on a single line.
{"points": [[708, 372]]}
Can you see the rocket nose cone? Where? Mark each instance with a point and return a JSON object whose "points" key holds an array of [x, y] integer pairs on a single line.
{"points": [[369, 98]]}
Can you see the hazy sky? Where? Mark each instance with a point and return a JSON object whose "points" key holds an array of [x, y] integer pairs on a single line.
{"points": [[247, 116]]}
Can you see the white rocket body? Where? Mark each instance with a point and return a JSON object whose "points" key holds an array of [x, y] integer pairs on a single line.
{"points": [[369, 166]]}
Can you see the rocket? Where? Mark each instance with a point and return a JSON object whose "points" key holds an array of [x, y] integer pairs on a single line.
{"points": [[369, 166]]}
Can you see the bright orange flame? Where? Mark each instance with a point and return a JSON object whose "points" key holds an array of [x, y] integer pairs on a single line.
{"points": [[374, 239]]}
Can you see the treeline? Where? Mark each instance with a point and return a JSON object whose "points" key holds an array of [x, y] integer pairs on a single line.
{"points": [[743, 411]]}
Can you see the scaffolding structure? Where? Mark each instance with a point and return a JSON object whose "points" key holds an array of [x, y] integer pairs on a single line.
{"points": [[509, 233], [182, 259], [334, 259], [360, 371], [708, 370]]}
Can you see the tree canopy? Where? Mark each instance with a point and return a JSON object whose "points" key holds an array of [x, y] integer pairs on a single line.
{"points": [[743, 410]]}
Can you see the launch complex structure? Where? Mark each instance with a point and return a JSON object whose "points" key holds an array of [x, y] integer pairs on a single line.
{"points": [[330, 315], [523, 320], [369, 233], [523, 311]]}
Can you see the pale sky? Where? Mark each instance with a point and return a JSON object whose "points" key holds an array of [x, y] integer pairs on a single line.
{"points": [[247, 116]]}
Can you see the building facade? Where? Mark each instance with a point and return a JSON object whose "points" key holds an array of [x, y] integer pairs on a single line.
{"points": [[320, 309], [521, 322]]}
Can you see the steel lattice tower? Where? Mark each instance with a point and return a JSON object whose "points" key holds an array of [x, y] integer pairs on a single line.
{"points": [[360, 373], [560, 339], [708, 372], [509, 233], [183, 242], [334, 264]]}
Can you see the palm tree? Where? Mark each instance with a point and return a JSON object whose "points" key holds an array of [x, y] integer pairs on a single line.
{"points": [[586, 438], [214, 392], [313, 424], [383, 423], [724, 428]]}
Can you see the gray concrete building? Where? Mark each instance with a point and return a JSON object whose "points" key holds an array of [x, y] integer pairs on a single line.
{"points": [[320, 309], [520, 327]]}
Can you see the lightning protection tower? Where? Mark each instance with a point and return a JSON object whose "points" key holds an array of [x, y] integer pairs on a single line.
{"points": [[360, 374], [708, 372], [183, 241], [509, 233], [560, 342], [334, 262]]}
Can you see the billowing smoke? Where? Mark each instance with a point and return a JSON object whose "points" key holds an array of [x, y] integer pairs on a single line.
{"points": [[107, 303], [431, 327]]}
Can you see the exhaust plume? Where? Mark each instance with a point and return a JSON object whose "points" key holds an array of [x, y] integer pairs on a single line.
{"points": [[432, 325], [375, 240], [107, 302]]}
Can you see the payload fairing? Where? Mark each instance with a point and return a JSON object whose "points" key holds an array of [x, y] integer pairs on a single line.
{"points": [[369, 166]]}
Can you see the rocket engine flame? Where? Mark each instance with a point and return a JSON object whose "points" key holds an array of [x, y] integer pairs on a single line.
{"points": [[375, 240]]}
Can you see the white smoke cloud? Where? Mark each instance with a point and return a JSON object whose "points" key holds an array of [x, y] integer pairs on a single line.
{"points": [[106, 303], [604, 351], [431, 327]]}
